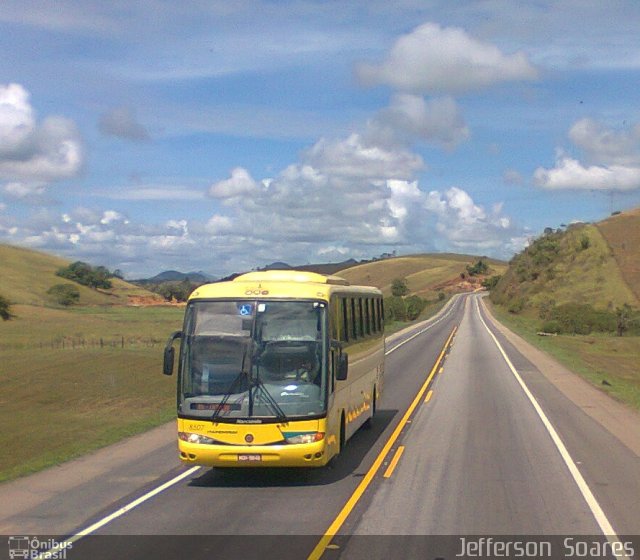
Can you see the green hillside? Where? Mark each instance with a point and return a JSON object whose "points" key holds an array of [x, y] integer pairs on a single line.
{"points": [[581, 284], [26, 275], [576, 265]]}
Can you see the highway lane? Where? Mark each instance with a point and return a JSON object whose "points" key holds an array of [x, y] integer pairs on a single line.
{"points": [[477, 459], [274, 502]]}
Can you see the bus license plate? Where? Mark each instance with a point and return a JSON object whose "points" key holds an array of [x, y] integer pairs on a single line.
{"points": [[250, 457]]}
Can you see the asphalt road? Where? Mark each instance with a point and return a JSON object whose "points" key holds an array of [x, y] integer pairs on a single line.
{"points": [[489, 448]]}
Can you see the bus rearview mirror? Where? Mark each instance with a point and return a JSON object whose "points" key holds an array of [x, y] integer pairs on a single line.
{"points": [[343, 367], [170, 353]]}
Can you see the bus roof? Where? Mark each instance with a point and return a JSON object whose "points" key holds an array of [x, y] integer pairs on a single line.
{"points": [[280, 284]]}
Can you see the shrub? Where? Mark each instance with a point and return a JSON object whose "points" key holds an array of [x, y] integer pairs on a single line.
{"points": [[64, 294], [585, 243], [414, 305], [579, 318], [5, 309], [516, 306], [491, 282], [399, 287], [552, 326], [395, 309]]}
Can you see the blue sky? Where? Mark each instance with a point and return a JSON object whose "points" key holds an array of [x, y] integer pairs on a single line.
{"points": [[221, 136]]}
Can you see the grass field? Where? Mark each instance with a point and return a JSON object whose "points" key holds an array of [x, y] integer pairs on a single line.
{"points": [[59, 403], [597, 358]]}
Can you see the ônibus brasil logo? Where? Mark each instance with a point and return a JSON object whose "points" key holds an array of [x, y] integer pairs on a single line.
{"points": [[33, 548]]}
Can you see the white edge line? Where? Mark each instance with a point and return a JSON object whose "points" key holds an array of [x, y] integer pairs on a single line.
{"points": [[118, 513], [592, 502], [446, 313]]}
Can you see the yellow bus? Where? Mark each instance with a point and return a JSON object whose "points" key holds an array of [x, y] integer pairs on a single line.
{"points": [[276, 369]]}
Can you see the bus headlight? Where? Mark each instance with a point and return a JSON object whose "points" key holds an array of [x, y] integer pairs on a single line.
{"points": [[195, 438], [305, 438]]}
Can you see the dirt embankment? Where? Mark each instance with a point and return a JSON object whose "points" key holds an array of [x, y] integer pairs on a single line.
{"points": [[148, 301]]}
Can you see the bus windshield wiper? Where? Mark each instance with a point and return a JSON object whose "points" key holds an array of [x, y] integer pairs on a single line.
{"points": [[268, 398], [232, 389]]}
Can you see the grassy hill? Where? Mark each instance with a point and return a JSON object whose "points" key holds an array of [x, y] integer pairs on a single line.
{"points": [[26, 275], [582, 283], [622, 234], [578, 265], [425, 274]]}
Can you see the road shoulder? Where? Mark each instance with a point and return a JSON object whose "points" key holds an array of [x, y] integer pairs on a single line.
{"points": [[618, 419], [55, 501]]}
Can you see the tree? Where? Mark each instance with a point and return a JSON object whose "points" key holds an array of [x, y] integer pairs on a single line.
{"points": [[478, 268], [399, 287], [5, 309], [85, 274], [395, 309], [64, 294], [623, 314], [415, 305]]}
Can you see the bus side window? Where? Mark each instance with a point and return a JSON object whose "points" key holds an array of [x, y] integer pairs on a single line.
{"points": [[372, 316], [352, 319], [346, 332]]}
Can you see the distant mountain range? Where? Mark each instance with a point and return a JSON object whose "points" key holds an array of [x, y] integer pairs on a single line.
{"points": [[175, 276]]}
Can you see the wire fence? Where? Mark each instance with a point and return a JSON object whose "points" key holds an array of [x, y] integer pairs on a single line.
{"points": [[79, 343]]}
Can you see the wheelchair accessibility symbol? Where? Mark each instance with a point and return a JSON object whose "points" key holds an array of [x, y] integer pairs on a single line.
{"points": [[245, 309]]}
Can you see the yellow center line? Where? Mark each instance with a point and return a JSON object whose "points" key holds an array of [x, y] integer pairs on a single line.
{"points": [[325, 540], [394, 462], [428, 397]]}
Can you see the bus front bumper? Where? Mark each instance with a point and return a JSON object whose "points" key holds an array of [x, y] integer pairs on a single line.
{"points": [[290, 455]]}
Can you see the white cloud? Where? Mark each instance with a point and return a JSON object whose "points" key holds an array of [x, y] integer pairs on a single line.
{"points": [[613, 160], [152, 192], [410, 117], [571, 174], [30, 153], [465, 225], [604, 145], [218, 224], [437, 60], [354, 158], [110, 216], [239, 184], [122, 123], [18, 190]]}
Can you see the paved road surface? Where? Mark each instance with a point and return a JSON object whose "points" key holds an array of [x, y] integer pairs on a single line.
{"points": [[475, 459]]}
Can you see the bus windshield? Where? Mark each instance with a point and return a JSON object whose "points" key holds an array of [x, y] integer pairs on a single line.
{"points": [[254, 359]]}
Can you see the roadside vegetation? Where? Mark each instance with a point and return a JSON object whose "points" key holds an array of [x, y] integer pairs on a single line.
{"points": [[569, 283]]}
